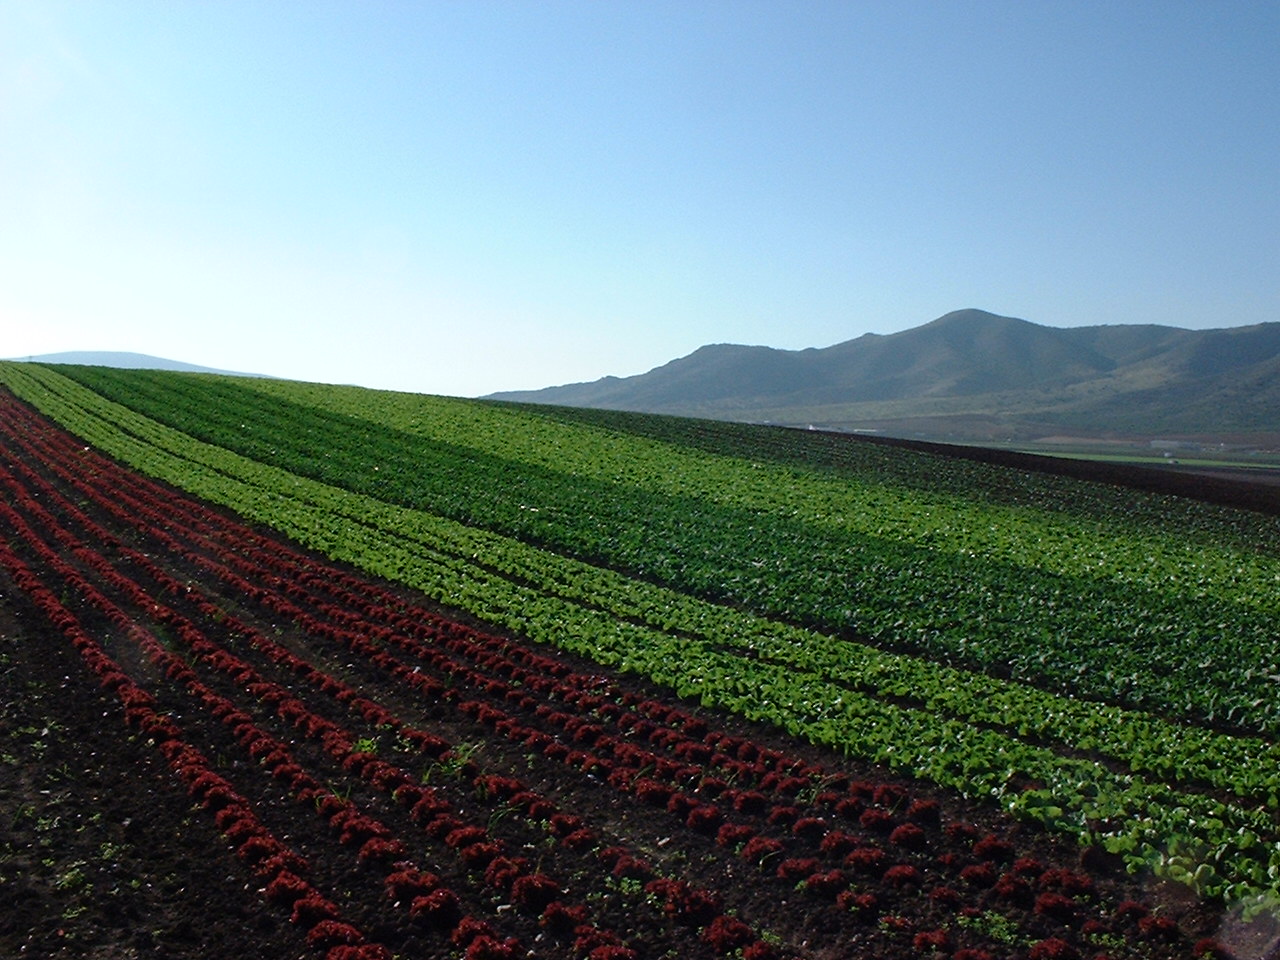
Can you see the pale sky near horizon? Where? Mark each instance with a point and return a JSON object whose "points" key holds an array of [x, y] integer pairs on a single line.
{"points": [[461, 197]]}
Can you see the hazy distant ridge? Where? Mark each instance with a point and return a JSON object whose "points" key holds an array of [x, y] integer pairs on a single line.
{"points": [[968, 364], [127, 361]]}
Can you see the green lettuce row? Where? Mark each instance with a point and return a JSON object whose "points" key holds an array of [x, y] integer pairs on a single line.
{"points": [[944, 515]]}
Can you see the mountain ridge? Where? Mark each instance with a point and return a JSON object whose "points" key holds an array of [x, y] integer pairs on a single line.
{"points": [[970, 363], [126, 360]]}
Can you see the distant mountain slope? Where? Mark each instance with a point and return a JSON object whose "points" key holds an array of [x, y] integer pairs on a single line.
{"points": [[127, 361], [970, 366]]}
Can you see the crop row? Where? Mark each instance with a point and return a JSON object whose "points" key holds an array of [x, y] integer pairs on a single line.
{"points": [[1113, 610], [778, 813], [1219, 847]]}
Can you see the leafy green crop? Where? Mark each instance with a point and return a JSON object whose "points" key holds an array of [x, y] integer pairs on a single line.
{"points": [[1112, 606]]}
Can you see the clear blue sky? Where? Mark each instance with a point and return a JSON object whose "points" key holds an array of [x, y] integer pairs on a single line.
{"points": [[461, 197]]}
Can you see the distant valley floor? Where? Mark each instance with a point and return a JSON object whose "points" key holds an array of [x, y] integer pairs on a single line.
{"points": [[1185, 473]]}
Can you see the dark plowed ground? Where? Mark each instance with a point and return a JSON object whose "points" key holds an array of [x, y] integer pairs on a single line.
{"points": [[101, 853]]}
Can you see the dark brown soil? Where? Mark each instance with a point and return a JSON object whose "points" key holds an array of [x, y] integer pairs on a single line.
{"points": [[101, 853]]}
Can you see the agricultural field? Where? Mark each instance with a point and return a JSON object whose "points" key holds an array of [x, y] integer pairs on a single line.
{"points": [[380, 675]]}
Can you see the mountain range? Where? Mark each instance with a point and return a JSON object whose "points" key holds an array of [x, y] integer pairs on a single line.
{"points": [[972, 375]]}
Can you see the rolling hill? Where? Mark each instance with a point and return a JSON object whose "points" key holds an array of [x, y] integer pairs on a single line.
{"points": [[972, 375], [377, 672]]}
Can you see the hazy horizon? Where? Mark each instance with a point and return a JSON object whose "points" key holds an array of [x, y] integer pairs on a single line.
{"points": [[492, 196]]}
